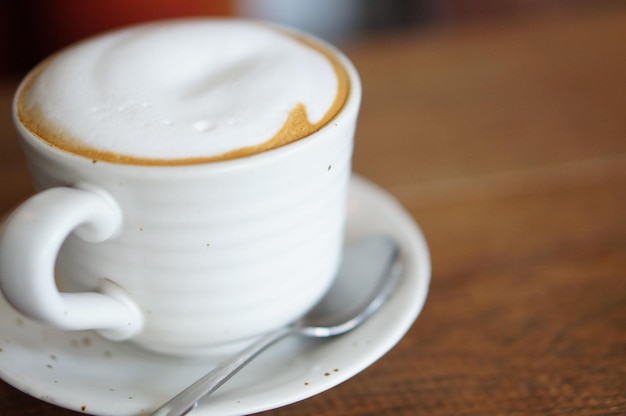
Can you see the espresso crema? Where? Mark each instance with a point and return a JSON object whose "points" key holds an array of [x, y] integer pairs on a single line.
{"points": [[183, 92]]}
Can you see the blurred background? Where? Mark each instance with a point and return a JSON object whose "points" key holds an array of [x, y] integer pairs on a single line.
{"points": [[32, 29]]}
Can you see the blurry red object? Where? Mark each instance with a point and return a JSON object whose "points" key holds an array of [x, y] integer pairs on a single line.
{"points": [[67, 21]]}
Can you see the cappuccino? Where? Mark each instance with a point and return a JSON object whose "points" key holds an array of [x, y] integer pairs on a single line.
{"points": [[183, 92]]}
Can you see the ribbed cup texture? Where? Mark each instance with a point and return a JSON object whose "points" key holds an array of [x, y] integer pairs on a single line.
{"points": [[214, 254]]}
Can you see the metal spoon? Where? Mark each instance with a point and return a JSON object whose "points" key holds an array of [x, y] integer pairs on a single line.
{"points": [[369, 273]]}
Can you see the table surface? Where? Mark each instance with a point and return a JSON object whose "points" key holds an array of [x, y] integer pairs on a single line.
{"points": [[506, 141]]}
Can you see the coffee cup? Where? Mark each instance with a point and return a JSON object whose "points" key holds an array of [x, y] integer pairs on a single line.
{"points": [[191, 180]]}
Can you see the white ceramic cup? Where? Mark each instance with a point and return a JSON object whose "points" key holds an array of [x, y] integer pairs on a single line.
{"points": [[188, 259]]}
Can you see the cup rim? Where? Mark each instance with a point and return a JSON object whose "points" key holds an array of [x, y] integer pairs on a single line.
{"points": [[351, 106]]}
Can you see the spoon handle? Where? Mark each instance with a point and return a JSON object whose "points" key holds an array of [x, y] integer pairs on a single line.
{"points": [[187, 400]]}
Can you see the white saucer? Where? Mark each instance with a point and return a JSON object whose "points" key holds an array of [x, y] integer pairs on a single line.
{"points": [[86, 373]]}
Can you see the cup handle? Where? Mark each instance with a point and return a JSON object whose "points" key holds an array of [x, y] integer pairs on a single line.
{"points": [[29, 246]]}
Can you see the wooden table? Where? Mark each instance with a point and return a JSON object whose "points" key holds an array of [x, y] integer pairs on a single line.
{"points": [[506, 140]]}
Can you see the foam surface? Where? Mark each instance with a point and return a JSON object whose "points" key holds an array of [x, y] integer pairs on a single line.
{"points": [[185, 89]]}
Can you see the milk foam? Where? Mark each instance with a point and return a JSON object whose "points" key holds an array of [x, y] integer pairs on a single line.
{"points": [[189, 89]]}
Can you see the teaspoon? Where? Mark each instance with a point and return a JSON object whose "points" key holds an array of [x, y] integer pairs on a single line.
{"points": [[369, 273]]}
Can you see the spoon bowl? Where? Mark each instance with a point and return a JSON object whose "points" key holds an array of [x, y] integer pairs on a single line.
{"points": [[373, 264]]}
